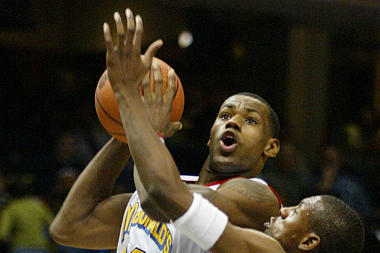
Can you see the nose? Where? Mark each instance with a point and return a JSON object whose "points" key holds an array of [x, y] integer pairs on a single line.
{"points": [[233, 123]]}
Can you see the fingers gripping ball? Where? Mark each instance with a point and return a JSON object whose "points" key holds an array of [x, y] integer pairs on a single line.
{"points": [[108, 110]]}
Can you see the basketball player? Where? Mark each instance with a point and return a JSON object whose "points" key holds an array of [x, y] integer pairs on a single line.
{"points": [[317, 224], [243, 137]]}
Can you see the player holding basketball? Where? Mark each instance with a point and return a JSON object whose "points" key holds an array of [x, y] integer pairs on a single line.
{"points": [[242, 138], [317, 224]]}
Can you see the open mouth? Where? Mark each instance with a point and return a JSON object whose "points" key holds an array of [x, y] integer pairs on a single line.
{"points": [[228, 142]]}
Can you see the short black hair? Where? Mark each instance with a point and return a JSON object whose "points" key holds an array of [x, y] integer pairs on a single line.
{"points": [[273, 118], [338, 226]]}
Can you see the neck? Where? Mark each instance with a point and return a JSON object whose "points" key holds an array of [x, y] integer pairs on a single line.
{"points": [[208, 175]]}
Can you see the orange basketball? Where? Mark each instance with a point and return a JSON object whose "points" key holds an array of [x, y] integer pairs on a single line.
{"points": [[108, 110]]}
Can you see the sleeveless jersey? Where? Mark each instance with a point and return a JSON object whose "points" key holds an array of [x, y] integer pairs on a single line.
{"points": [[139, 234]]}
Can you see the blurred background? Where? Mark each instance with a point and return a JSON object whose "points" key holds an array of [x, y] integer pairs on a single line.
{"points": [[317, 62]]}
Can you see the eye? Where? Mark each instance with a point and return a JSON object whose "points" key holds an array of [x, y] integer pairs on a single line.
{"points": [[225, 116], [251, 121]]}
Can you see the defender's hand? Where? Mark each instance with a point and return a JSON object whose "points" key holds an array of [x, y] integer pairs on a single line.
{"points": [[159, 106], [125, 66]]}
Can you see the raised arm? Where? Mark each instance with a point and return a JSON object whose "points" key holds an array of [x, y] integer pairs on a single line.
{"points": [[126, 69], [157, 170], [90, 216]]}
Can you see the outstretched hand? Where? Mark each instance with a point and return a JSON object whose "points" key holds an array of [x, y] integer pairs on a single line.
{"points": [[158, 106], [125, 65]]}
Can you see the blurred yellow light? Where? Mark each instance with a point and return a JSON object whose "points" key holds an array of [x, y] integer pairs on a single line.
{"points": [[185, 39]]}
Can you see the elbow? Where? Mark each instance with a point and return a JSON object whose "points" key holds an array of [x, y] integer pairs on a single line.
{"points": [[60, 233], [54, 234]]}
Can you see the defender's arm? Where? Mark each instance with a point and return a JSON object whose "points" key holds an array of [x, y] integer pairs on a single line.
{"points": [[90, 217], [236, 239]]}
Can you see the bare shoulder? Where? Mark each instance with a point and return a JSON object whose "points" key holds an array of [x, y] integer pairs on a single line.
{"points": [[249, 190], [253, 201]]}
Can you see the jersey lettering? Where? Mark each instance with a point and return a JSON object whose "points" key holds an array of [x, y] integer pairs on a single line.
{"points": [[137, 250], [157, 231], [127, 223]]}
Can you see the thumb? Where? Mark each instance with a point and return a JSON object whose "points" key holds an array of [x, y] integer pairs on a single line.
{"points": [[176, 126], [151, 51]]}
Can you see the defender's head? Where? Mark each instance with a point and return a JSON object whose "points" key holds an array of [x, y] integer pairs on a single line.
{"points": [[323, 224]]}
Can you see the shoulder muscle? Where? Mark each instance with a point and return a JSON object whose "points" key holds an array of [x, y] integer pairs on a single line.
{"points": [[253, 201]]}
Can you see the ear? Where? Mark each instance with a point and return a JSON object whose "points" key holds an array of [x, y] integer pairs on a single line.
{"points": [[309, 242], [272, 148], [208, 143]]}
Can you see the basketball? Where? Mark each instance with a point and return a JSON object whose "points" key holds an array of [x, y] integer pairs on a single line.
{"points": [[107, 109]]}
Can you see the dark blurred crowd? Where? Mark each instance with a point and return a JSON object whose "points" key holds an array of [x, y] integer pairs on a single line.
{"points": [[347, 167]]}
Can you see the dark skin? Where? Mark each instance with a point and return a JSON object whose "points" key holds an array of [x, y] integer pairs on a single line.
{"points": [[246, 119], [160, 177], [291, 228], [289, 232], [91, 218]]}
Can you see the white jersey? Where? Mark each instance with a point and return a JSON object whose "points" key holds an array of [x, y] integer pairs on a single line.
{"points": [[139, 234]]}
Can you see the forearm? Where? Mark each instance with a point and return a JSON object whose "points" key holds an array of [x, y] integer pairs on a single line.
{"points": [[126, 69], [143, 195], [209, 227], [147, 203], [94, 185], [157, 169], [236, 239]]}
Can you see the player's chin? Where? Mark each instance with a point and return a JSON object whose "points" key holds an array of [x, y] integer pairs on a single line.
{"points": [[227, 165]]}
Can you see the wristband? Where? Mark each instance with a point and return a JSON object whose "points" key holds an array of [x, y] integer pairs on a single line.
{"points": [[203, 222]]}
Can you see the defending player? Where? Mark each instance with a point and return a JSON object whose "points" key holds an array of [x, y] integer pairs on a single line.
{"points": [[317, 224], [242, 138]]}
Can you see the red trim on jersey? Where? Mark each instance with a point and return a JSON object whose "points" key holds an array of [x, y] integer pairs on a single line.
{"points": [[276, 194], [161, 135]]}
